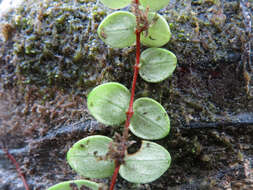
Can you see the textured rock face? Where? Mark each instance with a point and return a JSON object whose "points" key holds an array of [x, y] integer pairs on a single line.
{"points": [[53, 45], [56, 42]]}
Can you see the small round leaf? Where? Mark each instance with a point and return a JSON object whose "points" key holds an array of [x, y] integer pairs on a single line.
{"points": [[158, 33], [118, 29], [150, 120], [148, 164], [86, 157], [116, 4], [108, 103], [76, 184], [156, 64], [154, 5]]}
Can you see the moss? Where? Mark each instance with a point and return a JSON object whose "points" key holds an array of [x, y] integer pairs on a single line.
{"points": [[54, 34], [7, 30], [56, 45]]}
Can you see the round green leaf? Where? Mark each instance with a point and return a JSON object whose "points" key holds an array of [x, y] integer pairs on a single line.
{"points": [[156, 64], [80, 184], [86, 157], [148, 164], [118, 29], [108, 103], [116, 4], [158, 33], [154, 5], [150, 120]]}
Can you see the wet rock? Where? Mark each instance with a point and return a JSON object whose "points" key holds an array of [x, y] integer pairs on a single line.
{"points": [[54, 52]]}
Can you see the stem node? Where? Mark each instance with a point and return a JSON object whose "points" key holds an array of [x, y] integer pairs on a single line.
{"points": [[137, 67]]}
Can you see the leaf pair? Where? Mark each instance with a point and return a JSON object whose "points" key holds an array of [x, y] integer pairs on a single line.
{"points": [[118, 30], [109, 102], [88, 157], [154, 5]]}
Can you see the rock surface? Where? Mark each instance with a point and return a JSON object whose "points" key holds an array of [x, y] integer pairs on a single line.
{"points": [[51, 56]]}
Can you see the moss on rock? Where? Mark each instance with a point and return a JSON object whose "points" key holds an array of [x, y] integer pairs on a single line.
{"points": [[54, 44]]}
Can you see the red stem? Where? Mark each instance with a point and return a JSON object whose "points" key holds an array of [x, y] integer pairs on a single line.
{"points": [[115, 174], [130, 112], [136, 71], [13, 160], [130, 109]]}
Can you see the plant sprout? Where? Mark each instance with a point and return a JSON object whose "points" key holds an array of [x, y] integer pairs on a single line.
{"points": [[112, 103]]}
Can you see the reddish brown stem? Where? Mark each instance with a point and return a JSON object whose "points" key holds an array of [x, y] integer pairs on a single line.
{"points": [[13, 160], [136, 72], [130, 112], [115, 174], [130, 109]]}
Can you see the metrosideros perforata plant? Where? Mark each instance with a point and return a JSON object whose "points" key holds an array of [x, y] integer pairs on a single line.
{"points": [[113, 104]]}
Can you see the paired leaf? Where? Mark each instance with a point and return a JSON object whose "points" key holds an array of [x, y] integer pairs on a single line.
{"points": [[118, 29], [76, 184], [116, 4], [150, 120], [148, 164], [156, 64], [158, 33], [154, 5], [87, 157], [108, 103]]}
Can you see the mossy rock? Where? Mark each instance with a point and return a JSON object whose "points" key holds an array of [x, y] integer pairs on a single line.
{"points": [[55, 45]]}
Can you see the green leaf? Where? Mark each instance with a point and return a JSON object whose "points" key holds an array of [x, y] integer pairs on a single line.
{"points": [[158, 33], [150, 120], [80, 184], [116, 4], [148, 164], [86, 157], [118, 29], [156, 64], [154, 5], [108, 103]]}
